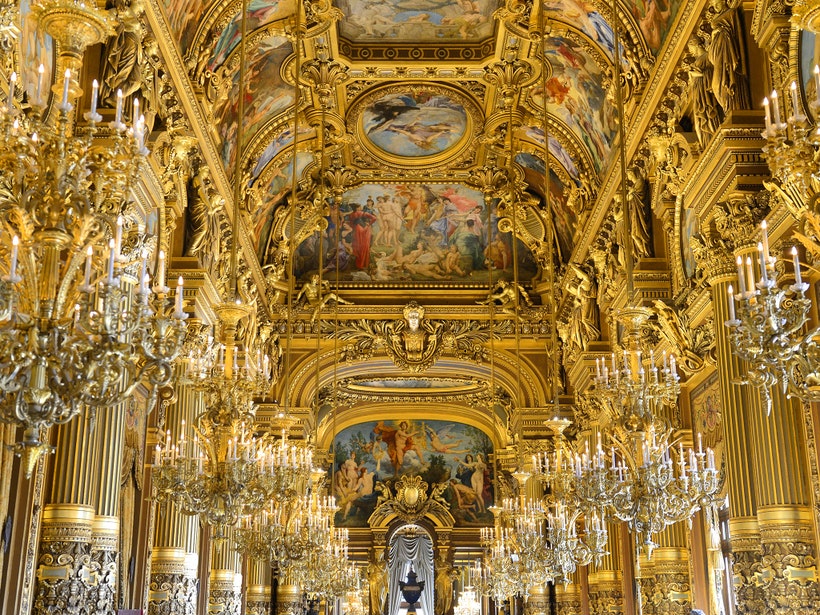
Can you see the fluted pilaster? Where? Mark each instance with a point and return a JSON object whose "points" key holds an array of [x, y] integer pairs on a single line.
{"points": [[258, 592], [606, 594], [225, 581]]}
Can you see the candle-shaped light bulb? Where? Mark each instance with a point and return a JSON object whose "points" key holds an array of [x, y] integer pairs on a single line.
{"points": [[798, 277], [66, 86], [41, 71], [118, 116], [112, 256], [161, 270], [776, 109], [764, 276], [179, 297], [12, 84], [750, 275], [768, 114], [118, 236], [87, 279], [136, 116], [15, 243], [144, 273], [795, 110], [95, 92], [817, 85], [764, 228], [731, 303]]}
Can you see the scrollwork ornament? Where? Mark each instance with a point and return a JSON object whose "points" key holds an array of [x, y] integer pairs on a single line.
{"points": [[746, 568], [172, 594], [788, 570]]}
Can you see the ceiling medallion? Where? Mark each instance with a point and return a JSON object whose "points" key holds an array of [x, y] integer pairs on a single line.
{"points": [[414, 125]]}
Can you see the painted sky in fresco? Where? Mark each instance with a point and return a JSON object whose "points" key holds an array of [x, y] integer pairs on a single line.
{"points": [[585, 16], [412, 232], [414, 124], [418, 21], [260, 13], [536, 134], [183, 19], [438, 451], [575, 95], [266, 96]]}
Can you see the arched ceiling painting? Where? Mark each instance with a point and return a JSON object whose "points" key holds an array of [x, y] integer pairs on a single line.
{"points": [[415, 91]]}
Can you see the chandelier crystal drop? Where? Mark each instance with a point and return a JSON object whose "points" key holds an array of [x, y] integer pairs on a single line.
{"points": [[227, 471], [766, 323], [79, 325]]}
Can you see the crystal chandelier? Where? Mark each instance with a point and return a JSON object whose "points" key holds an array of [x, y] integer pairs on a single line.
{"points": [[791, 146], [467, 603], [227, 471], [79, 325], [325, 572], [500, 574], [653, 491], [288, 528], [765, 323]]}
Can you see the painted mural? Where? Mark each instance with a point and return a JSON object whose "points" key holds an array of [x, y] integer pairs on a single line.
{"points": [[575, 95], [655, 18], [183, 19], [412, 232], [282, 141], [260, 13], [438, 451], [280, 185], [585, 16], [415, 123], [266, 96], [707, 414], [809, 58], [565, 221], [536, 134], [430, 21], [689, 228]]}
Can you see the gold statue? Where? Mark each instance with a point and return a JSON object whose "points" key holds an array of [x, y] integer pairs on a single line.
{"points": [[317, 296], [583, 325], [506, 295], [377, 579]]}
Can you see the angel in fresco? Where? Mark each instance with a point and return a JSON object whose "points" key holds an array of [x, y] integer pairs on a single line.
{"points": [[437, 441]]}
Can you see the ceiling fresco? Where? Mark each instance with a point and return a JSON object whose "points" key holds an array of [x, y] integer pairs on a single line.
{"points": [[420, 21], [408, 132]]}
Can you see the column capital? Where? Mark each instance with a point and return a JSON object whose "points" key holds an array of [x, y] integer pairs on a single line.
{"points": [[737, 218], [714, 256]]}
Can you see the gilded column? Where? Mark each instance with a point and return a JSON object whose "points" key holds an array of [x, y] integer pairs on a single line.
{"points": [[225, 580], [606, 595], [714, 255], [647, 584], [538, 602], [785, 516], [288, 597], [568, 597], [65, 574], [258, 592], [672, 592]]}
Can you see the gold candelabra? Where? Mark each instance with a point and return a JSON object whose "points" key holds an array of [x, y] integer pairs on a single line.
{"points": [[766, 324], [227, 471], [79, 325]]}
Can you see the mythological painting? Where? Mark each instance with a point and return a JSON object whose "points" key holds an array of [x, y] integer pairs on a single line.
{"points": [[536, 134], [266, 96], [412, 232], [260, 13], [707, 415], [183, 19], [36, 47], [282, 141], [585, 16], [564, 219], [689, 228], [809, 58], [414, 123], [280, 185], [425, 22], [655, 18], [438, 451], [576, 97]]}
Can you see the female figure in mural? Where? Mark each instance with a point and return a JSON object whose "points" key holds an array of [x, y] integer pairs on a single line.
{"points": [[361, 222], [477, 480], [464, 470]]}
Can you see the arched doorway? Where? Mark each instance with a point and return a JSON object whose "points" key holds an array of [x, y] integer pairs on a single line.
{"points": [[410, 546]]}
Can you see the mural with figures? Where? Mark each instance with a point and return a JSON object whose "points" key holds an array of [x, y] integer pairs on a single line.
{"points": [[266, 95], [183, 19], [414, 123], [412, 232], [575, 96], [430, 21], [707, 415], [438, 451]]}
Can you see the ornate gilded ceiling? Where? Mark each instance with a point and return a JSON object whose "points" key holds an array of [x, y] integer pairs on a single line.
{"points": [[415, 97]]}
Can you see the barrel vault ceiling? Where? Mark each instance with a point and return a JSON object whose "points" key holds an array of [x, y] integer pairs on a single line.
{"points": [[412, 99]]}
